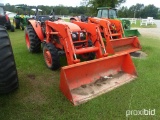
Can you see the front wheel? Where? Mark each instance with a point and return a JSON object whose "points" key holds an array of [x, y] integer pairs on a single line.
{"points": [[16, 23], [51, 56]]}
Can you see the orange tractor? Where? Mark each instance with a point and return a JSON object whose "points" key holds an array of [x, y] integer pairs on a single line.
{"points": [[112, 31], [79, 80]]}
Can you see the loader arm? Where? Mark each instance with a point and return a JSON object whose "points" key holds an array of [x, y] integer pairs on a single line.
{"points": [[73, 43], [105, 31], [63, 31], [113, 26], [96, 37]]}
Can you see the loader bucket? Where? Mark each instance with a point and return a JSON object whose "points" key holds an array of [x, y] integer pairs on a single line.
{"points": [[131, 32], [83, 81], [129, 45]]}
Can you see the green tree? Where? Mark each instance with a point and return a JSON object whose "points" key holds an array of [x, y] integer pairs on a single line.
{"points": [[150, 11], [123, 12], [135, 10], [94, 4], [61, 10], [158, 16], [139, 11]]}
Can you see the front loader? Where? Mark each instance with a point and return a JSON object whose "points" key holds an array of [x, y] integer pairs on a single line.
{"points": [[111, 13], [80, 80], [112, 31]]}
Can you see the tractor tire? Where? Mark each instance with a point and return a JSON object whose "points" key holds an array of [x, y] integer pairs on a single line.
{"points": [[21, 26], [32, 41], [12, 28], [51, 56], [7, 24], [16, 23], [8, 72]]}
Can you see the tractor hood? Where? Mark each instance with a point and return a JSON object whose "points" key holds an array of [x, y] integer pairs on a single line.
{"points": [[73, 27]]}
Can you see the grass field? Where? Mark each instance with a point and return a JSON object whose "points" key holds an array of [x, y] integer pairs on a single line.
{"points": [[39, 96]]}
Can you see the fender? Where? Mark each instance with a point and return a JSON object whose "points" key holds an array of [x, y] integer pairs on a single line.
{"points": [[73, 27], [37, 28]]}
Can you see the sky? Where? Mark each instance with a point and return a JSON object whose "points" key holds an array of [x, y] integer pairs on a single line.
{"points": [[74, 2], [44, 2], [129, 3]]}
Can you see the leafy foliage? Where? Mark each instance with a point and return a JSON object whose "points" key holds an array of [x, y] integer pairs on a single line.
{"points": [[89, 7], [94, 4], [59, 10], [139, 11]]}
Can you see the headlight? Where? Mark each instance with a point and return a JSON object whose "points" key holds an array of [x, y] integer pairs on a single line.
{"points": [[82, 36], [74, 36]]}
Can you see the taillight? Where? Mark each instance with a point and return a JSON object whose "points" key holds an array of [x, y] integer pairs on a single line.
{"points": [[7, 18]]}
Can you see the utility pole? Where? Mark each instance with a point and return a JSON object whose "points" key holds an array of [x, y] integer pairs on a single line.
{"points": [[135, 12]]}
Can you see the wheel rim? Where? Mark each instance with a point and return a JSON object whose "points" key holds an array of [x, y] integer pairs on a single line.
{"points": [[48, 57], [27, 41]]}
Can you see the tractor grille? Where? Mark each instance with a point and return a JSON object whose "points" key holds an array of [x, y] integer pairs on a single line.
{"points": [[2, 20]]}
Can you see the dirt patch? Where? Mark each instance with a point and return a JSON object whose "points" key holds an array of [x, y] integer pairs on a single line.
{"points": [[96, 85], [123, 48], [35, 98], [31, 76], [150, 32], [139, 54]]}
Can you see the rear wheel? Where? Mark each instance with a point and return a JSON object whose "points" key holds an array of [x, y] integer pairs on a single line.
{"points": [[16, 23], [8, 72], [21, 26], [12, 28], [51, 56], [32, 41]]}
